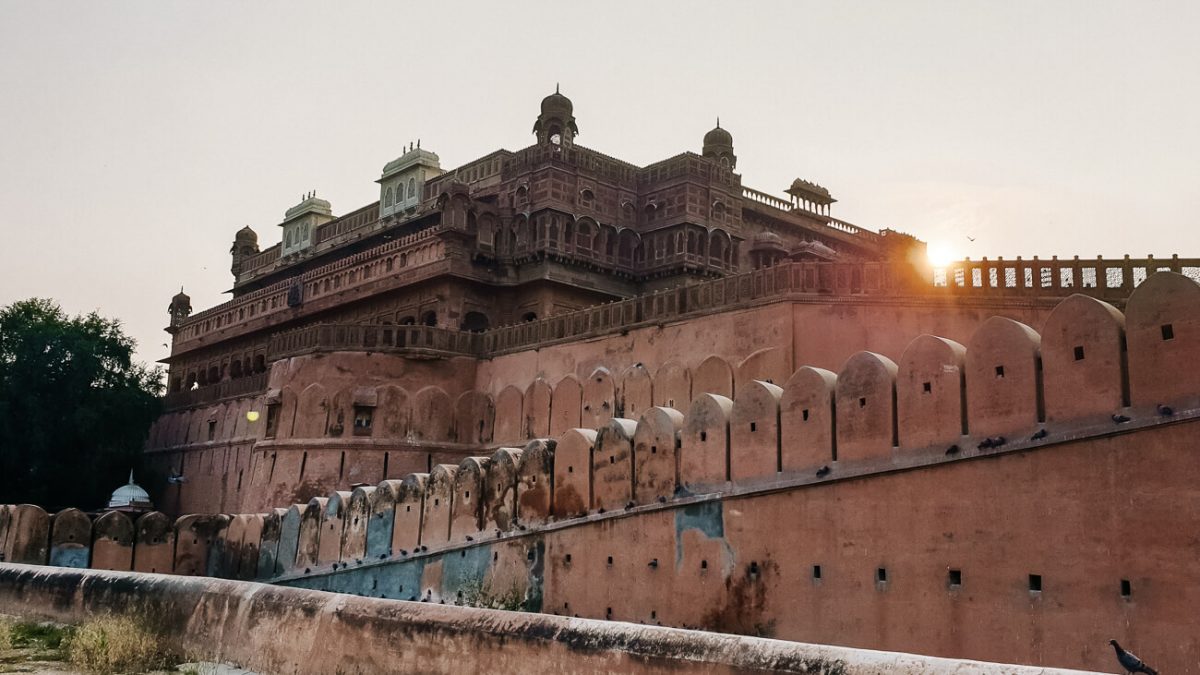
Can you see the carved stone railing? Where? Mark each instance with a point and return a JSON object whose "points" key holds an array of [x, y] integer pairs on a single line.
{"points": [[242, 386], [1110, 279], [766, 199], [411, 340], [273, 298]]}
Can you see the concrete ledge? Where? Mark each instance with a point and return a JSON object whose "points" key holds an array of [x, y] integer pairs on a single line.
{"points": [[274, 629]]}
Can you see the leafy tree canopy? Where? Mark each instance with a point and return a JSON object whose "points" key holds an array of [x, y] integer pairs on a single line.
{"points": [[74, 406]]}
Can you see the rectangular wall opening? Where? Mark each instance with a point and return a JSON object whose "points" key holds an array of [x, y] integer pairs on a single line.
{"points": [[955, 578], [1079, 353], [1168, 331], [1126, 589], [881, 575], [1035, 583], [816, 573]]}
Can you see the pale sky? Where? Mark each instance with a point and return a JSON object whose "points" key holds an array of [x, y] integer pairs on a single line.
{"points": [[137, 137]]}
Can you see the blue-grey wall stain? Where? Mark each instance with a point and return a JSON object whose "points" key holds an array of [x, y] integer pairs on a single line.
{"points": [[70, 555], [379, 533], [707, 517], [463, 574]]}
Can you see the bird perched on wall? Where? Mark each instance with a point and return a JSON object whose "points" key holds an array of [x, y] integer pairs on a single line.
{"points": [[662, 499], [1131, 663], [985, 444], [470, 538], [1041, 433], [1120, 419], [823, 471], [952, 450], [1165, 410]]}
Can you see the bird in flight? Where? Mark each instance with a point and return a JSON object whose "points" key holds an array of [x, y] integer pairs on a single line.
{"points": [[1131, 663], [970, 238]]}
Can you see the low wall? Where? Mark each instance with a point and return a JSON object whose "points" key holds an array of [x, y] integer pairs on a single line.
{"points": [[286, 630]]}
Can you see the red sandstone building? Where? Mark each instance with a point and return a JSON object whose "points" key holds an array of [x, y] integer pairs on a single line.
{"points": [[785, 417]]}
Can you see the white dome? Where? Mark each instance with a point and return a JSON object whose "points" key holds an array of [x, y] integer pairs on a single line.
{"points": [[130, 495]]}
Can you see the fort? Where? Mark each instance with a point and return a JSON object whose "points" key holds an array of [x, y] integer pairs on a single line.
{"points": [[555, 382]]}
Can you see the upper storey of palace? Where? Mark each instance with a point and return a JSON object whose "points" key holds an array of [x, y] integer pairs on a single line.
{"points": [[553, 212]]}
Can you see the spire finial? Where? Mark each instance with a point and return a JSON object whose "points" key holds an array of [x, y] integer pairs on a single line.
{"points": [[131, 476], [556, 87], [718, 121]]}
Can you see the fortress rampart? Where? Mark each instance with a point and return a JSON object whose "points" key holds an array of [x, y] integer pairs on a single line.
{"points": [[1029, 484]]}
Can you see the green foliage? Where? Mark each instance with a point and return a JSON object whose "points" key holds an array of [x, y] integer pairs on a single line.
{"points": [[74, 406]]}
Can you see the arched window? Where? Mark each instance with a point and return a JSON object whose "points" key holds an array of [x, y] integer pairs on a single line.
{"points": [[408, 321], [474, 322], [260, 364], [583, 237], [429, 318], [387, 197], [412, 188], [529, 316]]}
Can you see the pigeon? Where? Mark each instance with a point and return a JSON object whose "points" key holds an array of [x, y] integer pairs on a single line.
{"points": [[1131, 663], [629, 505], [985, 444], [1120, 419], [1165, 410], [654, 563], [823, 471], [470, 538], [952, 450], [1041, 433], [600, 510], [662, 499]]}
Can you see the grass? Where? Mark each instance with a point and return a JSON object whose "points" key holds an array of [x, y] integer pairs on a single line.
{"points": [[114, 644]]}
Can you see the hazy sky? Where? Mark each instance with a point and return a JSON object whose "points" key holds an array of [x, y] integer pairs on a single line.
{"points": [[137, 137]]}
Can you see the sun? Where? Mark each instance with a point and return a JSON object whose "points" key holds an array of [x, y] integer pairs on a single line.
{"points": [[940, 254]]}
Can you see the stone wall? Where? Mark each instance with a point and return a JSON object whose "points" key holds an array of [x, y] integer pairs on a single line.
{"points": [[946, 484], [288, 630]]}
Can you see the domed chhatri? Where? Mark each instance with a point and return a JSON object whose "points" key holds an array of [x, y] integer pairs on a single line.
{"points": [[718, 145], [556, 123], [246, 235], [130, 498], [557, 103]]}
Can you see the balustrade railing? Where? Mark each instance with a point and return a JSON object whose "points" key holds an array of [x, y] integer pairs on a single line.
{"points": [[1099, 277], [241, 386]]}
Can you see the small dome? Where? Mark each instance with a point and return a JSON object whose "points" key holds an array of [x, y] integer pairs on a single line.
{"points": [[246, 235], [558, 104], [718, 136], [130, 496], [181, 298]]}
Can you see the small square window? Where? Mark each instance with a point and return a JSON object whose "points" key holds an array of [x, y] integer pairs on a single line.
{"points": [[881, 575], [816, 574], [703, 564], [955, 578], [753, 426], [999, 372], [1079, 353], [1126, 589], [703, 436], [1035, 583], [362, 420], [804, 414], [927, 387], [610, 561], [1168, 331], [567, 558], [862, 402]]}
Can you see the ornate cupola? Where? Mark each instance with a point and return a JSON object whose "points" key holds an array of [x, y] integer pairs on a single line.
{"points": [[179, 309], [556, 124], [245, 244], [301, 221], [718, 146]]}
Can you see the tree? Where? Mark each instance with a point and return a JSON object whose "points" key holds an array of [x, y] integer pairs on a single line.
{"points": [[74, 406]]}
